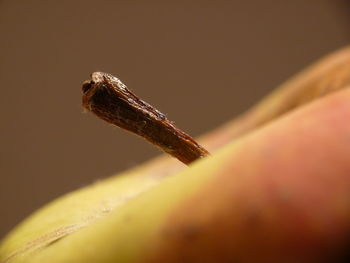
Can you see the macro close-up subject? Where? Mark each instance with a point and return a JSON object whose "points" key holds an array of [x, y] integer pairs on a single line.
{"points": [[103, 107]]}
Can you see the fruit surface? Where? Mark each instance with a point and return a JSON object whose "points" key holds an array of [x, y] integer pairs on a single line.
{"points": [[258, 193]]}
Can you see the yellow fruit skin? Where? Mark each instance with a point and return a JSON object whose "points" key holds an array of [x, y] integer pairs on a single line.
{"points": [[73, 212], [96, 221], [281, 194], [124, 233], [259, 199], [327, 75]]}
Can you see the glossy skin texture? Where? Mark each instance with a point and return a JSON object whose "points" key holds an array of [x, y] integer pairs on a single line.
{"points": [[277, 191]]}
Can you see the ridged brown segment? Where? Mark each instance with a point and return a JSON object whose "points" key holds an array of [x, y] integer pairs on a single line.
{"points": [[108, 98]]}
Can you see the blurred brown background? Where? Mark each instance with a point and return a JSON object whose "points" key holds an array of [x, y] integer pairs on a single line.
{"points": [[200, 62]]}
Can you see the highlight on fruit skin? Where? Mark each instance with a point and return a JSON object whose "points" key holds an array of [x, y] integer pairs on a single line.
{"points": [[276, 190]]}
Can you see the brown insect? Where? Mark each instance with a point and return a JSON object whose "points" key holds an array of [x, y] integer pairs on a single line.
{"points": [[108, 98]]}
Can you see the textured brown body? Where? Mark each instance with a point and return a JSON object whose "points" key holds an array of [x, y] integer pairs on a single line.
{"points": [[108, 98]]}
